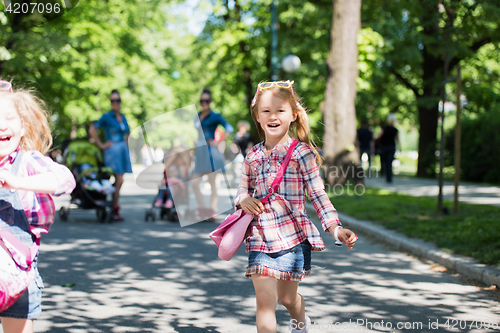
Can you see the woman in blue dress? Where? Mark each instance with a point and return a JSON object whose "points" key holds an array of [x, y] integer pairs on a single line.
{"points": [[208, 158], [116, 154]]}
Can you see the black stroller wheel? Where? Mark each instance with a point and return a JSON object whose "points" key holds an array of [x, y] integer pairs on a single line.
{"points": [[63, 213], [150, 214], [163, 213], [173, 216], [102, 214]]}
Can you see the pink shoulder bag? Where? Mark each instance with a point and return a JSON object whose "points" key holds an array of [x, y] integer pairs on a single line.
{"points": [[16, 272], [230, 234], [16, 258]]}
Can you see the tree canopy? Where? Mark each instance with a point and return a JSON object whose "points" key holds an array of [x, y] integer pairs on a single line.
{"points": [[147, 50]]}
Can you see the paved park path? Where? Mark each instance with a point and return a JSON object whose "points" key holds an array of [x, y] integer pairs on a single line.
{"points": [[160, 277]]}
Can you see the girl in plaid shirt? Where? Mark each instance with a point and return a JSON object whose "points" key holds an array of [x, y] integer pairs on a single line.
{"points": [[27, 181], [281, 237]]}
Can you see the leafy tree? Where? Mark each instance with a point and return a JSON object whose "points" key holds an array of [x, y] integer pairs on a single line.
{"points": [[75, 60], [418, 32], [480, 158]]}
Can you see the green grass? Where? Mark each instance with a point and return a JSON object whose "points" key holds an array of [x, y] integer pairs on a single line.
{"points": [[474, 231]]}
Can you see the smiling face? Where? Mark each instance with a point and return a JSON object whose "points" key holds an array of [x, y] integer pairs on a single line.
{"points": [[11, 127], [274, 115]]}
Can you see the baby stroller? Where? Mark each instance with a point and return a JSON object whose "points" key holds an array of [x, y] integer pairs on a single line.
{"points": [[177, 170], [92, 190]]}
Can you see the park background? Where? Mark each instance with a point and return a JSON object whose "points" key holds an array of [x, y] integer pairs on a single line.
{"points": [[160, 54]]}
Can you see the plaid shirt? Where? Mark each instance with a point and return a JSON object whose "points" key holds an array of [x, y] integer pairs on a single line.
{"points": [[39, 207], [284, 222]]}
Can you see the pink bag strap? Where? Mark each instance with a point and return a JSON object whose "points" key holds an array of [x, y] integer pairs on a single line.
{"points": [[281, 172], [36, 245]]}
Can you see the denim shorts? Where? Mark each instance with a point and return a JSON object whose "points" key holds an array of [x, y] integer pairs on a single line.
{"points": [[29, 305], [289, 265]]}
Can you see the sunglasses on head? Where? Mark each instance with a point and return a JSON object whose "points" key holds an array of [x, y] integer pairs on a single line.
{"points": [[204, 101], [268, 85], [5, 86], [280, 84], [115, 100]]}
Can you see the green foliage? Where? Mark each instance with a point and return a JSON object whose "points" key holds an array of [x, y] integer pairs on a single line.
{"points": [[474, 231], [481, 80], [142, 47], [236, 43], [75, 61], [480, 142], [418, 35]]}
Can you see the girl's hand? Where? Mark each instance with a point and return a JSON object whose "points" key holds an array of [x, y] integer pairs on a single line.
{"points": [[9, 181], [346, 236], [252, 206]]}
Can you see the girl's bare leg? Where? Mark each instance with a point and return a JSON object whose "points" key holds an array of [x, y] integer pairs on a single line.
{"points": [[14, 325], [214, 198], [267, 299], [292, 301], [196, 180], [118, 185]]}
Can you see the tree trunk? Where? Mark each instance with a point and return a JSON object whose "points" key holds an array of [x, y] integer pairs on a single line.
{"points": [[245, 50], [428, 106], [340, 153], [427, 140]]}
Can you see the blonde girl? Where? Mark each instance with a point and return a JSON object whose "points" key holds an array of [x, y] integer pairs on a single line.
{"points": [[28, 179], [281, 237]]}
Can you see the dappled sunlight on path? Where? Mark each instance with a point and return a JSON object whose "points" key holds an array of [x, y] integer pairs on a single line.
{"points": [[159, 277]]}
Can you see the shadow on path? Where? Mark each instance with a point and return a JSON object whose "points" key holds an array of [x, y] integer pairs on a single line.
{"points": [[159, 277]]}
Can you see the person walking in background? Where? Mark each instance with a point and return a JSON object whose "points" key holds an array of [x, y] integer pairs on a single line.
{"points": [[208, 159], [159, 154], [116, 154], [366, 144], [388, 138], [281, 236], [242, 137], [378, 149], [242, 142], [28, 180]]}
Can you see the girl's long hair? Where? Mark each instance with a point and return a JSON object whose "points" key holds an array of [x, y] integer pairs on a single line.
{"points": [[34, 115], [299, 129]]}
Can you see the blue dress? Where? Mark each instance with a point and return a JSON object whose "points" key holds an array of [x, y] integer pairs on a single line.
{"points": [[207, 158], [117, 156]]}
